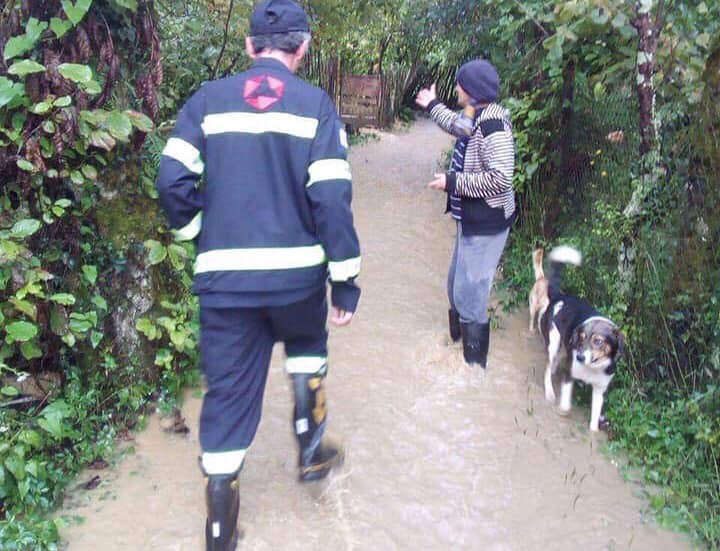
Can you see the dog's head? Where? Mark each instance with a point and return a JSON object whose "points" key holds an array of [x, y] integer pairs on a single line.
{"points": [[597, 343]]}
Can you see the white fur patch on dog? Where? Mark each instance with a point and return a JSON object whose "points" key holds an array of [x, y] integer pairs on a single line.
{"points": [[593, 374], [566, 397], [554, 341], [566, 255], [549, 390]]}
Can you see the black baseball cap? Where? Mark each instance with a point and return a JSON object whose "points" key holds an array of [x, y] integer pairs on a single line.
{"points": [[278, 16]]}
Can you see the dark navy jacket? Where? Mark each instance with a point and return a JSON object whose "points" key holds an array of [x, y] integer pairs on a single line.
{"points": [[273, 214]]}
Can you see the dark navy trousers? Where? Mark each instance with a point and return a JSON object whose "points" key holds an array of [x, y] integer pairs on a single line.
{"points": [[235, 348]]}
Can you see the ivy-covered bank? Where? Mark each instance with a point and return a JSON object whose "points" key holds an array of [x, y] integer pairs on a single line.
{"points": [[86, 267]]}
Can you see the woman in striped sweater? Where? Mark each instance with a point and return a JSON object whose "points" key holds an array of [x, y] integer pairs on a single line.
{"points": [[480, 198]]}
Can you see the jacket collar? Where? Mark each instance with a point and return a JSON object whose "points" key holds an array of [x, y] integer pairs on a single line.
{"points": [[270, 63]]}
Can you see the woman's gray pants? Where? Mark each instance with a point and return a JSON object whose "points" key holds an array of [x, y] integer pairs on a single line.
{"points": [[472, 270]]}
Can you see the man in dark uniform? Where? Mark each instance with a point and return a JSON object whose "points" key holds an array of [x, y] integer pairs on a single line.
{"points": [[272, 219]]}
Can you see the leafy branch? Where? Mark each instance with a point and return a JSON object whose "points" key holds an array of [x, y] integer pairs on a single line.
{"points": [[225, 40]]}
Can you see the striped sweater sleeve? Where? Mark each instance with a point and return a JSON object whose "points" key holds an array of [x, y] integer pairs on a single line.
{"points": [[181, 167], [445, 118]]}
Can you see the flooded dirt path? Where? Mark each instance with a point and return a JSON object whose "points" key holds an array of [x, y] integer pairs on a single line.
{"points": [[438, 458]]}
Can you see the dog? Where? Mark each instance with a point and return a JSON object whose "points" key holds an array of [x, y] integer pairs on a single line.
{"points": [[592, 342], [539, 297]]}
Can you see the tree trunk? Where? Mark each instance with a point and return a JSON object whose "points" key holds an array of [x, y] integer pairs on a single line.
{"points": [[555, 187], [648, 27], [383, 51], [566, 118], [646, 63], [648, 34]]}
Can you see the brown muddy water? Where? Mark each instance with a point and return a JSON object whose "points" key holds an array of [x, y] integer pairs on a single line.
{"points": [[438, 457]]}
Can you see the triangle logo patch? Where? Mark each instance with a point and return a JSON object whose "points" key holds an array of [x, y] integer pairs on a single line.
{"points": [[263, 91]]}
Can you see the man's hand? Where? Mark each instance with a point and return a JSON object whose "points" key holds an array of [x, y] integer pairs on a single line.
{"points": [[439, 183], [425, 96], [340, 317]]}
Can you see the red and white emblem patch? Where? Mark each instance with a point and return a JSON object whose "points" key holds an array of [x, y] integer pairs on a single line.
{"points": [[263, 91]]}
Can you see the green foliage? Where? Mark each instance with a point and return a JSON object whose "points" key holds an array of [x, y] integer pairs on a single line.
{"points": [[358, 138], [667, 430], [72, 271], [195, 47], [406, 115]]}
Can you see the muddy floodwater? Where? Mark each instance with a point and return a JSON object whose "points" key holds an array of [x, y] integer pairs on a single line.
{"points": [[438, 457]]}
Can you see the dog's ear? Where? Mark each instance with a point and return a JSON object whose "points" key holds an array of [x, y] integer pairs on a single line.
{"points": [[620, 342]]}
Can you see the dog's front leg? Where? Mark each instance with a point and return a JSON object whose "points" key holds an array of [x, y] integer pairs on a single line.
{"points": [[553, 361], [598, 396], [549, 390], [566, 396]]}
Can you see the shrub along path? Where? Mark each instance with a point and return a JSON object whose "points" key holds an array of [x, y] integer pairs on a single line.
{"points": [[437, 456]]}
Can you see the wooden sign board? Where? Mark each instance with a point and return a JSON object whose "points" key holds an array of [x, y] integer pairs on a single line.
{"points": [[360, 98]]}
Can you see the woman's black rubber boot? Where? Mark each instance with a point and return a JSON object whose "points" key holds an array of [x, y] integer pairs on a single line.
{"points": [[454, 325], [476, 341]]}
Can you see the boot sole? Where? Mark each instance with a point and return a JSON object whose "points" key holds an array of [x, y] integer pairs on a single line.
{"points": [[232, 546], [320, 471]]}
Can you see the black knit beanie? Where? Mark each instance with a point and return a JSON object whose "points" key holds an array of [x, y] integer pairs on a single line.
{"points": [[480, 80], [278, 16]]}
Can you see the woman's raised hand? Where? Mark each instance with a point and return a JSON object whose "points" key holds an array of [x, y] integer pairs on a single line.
{"points": [[425, 96]]}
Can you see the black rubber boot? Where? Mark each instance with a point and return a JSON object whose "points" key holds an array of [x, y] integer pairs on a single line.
{"points": [[476, 341], [323, 460], [454, 325], [223, 503], [316, 458]]}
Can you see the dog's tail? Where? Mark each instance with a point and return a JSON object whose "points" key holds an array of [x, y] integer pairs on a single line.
{"points": [[538, 264], [559, 257]]}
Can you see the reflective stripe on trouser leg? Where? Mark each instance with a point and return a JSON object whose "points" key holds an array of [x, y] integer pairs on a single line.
{"points": [[222, 462], [296, 365]]}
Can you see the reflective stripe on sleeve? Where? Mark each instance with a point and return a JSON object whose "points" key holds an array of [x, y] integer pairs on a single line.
{"points": [[191, 230], [275, 258], [329, 169], [342, 271], [259, 123], [186, 153], [305, 364], [343, 138]]}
